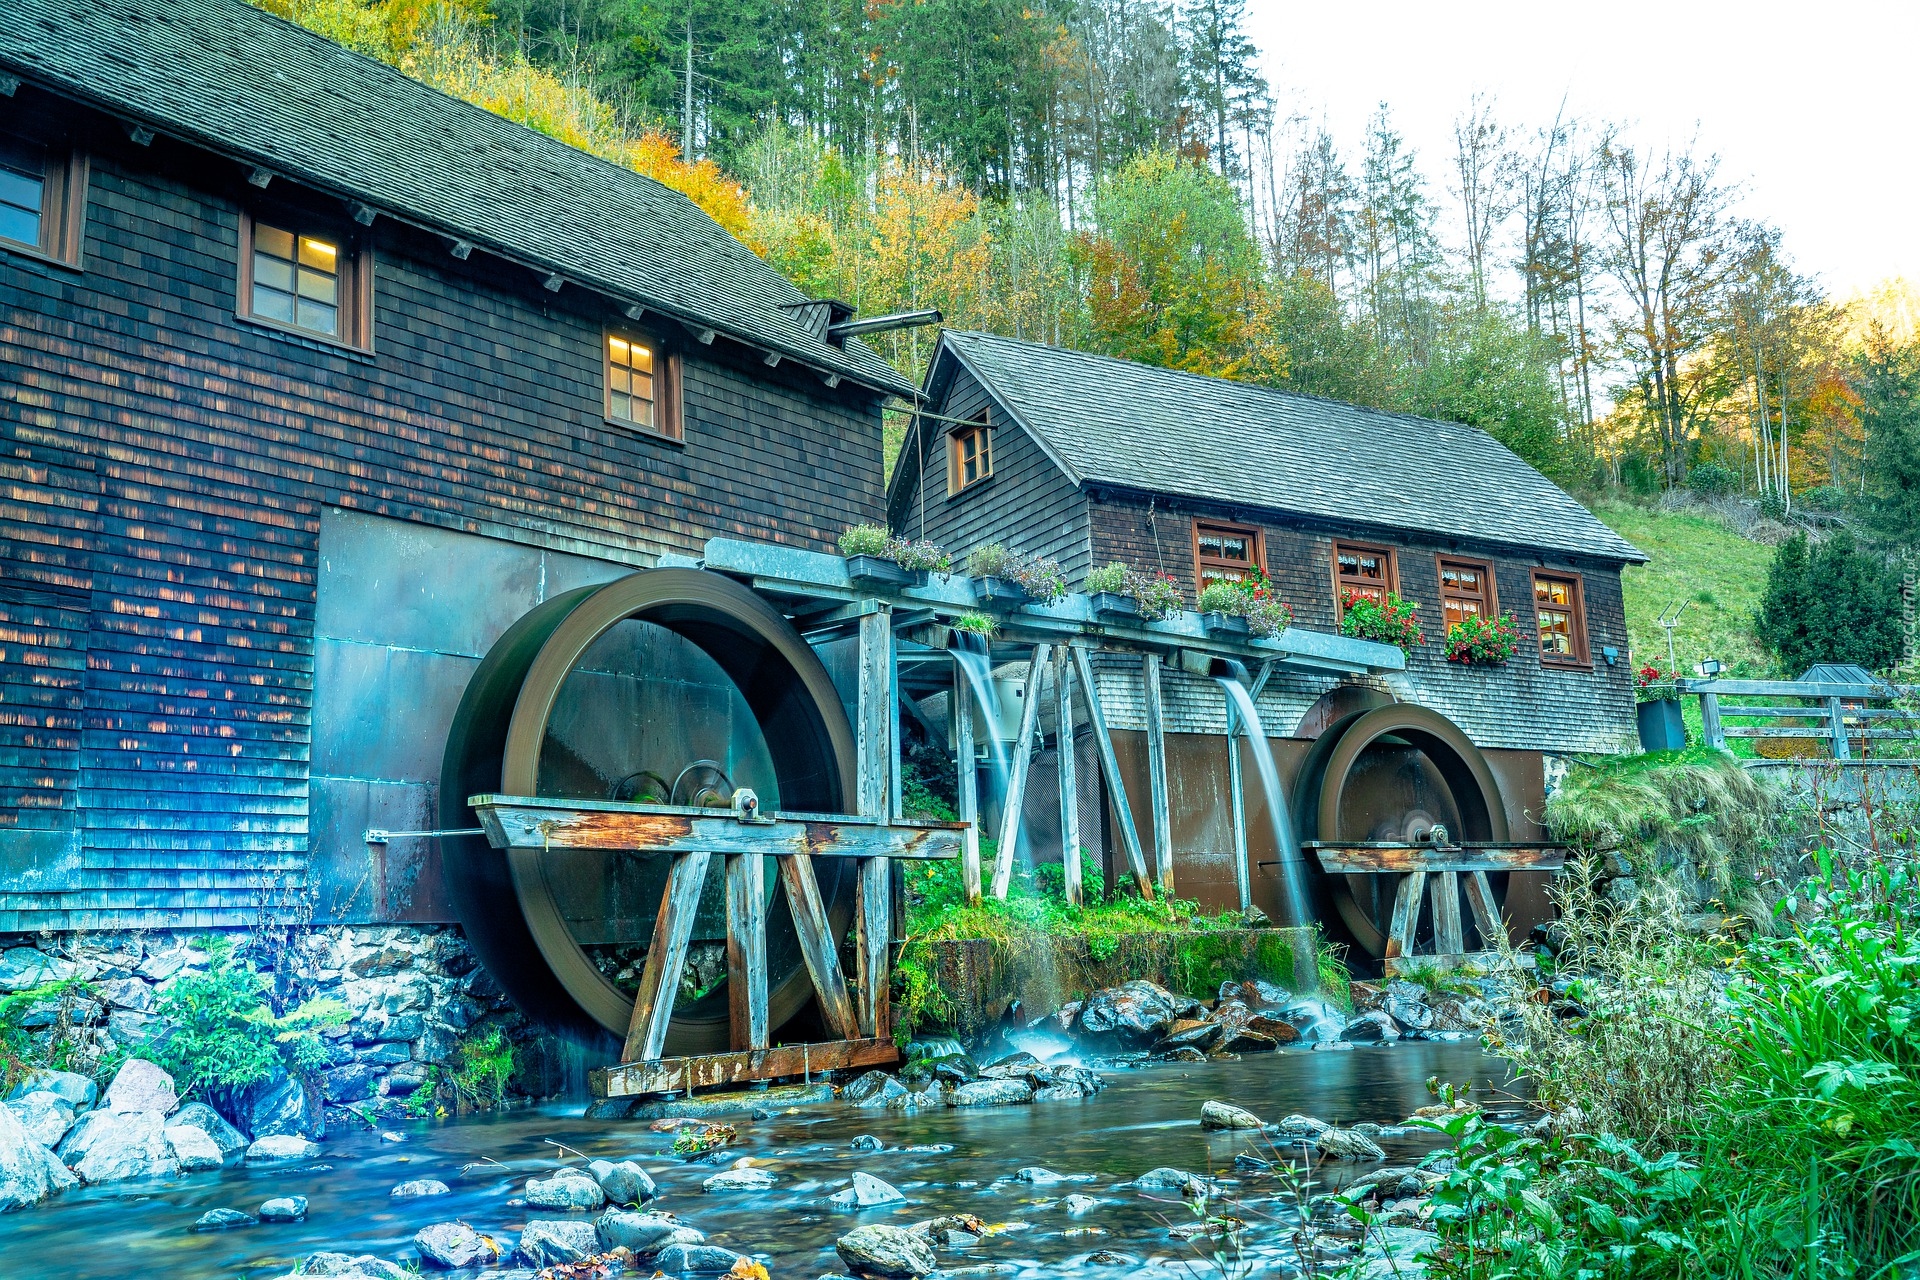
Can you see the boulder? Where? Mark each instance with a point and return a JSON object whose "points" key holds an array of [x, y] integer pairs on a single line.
{"points": [[955, 1068], [1059, 1093], [45, 1116], [198, 1115], [1299, 1126], [644, 1233], [748, 1179], [29, 1173], [223, 1220], [623, 1183], [1224, 1115], [891, 1253], [352, 1083], [1345, 1144], [1078, 1204], [23, 968], [284, 1209], [1176, 1181], [549, 1242], [866, 1192], [1040, 1177], [278, 1148], [453, 1245], [866, 1142], [419, 1187], [696, 1260], [139, 1085], [1133, 1013], [1410, 1014], [571, 1189], [1371, 1027], [881, 1094], [109, 1146], [282, 1104], [1276, 1029], [866, 1086], [193, 1151], [79, 1091], [955, 1231], [991, 1093]]}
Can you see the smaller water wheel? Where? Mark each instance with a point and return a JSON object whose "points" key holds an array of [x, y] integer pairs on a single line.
{"points": [[1399, 774]]}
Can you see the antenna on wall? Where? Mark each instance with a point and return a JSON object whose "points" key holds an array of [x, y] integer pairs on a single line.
{"points": [[1670, 618]]}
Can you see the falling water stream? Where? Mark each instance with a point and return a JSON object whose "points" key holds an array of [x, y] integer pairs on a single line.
{"points": [[970, 654], [1294, 909]]}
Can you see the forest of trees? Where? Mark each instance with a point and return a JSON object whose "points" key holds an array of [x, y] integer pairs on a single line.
{"points": [[1114, 175]]}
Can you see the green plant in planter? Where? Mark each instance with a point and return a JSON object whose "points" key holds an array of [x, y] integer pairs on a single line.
{"points": [[1389, 621], [977, 624], [1155, 595], [921, 556], [1653, 683], [1475, 641], [989, 561], [1042, 579], [1113, 579], [867, 540], [1252, 598]]}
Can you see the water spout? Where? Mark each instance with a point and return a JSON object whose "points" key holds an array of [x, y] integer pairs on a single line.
{"points": [[1294, 910]]}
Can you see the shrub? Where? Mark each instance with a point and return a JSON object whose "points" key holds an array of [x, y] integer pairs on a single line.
{"points": [[867, 540], [1830, 603], [1712, 480], [226, 1036], [482, 1065], [1391, 621], [1478, 641], [1826, 497], [60, 1049]]}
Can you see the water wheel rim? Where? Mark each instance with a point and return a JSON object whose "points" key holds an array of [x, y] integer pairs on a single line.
{"points": [[697, 602], [1460, 763]]}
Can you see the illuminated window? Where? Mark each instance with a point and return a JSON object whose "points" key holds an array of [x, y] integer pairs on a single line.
{"points": [[307, 279], [969, 456], [1559, 615], [43, 194], [640, 385], [1223, 552], [1466, 590], [1368, 572]]}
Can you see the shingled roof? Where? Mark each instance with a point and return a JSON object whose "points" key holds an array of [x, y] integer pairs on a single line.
{"points": [[227, 76], [1153, 430]]}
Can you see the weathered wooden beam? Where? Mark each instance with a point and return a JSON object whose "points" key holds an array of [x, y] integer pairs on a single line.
{"points": [[817, 946], [1876, 692], [1017, 769], [1157, 773], [1447, 938], [1836, 719], [1237, 802], [534, 822], [1486, 912], [708, 1071], [873, 731], [1710, 723], [747, 951], [1816, 732], [1406, 914], [967, 785], [666, 957], [1110, 770], [1485, 961], [1069, 784], [872, 913], [1380, 859]]}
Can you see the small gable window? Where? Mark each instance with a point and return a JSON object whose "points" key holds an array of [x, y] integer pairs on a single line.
{"points": [[1466, 590], [969, 455], [642, 385], [1560, 614], [1224, 552], [1368, 572], [42, 198], [305, 277]]}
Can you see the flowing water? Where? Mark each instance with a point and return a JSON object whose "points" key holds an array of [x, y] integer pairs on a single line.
{"points": [[1146, 1118], [1293, 878], [978, 670]]}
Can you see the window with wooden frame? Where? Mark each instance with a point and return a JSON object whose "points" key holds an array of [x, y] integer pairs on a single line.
{"points": [[306, 276], [43, 198], [1466, 590], [1225, 552], [1369, 572], [969, 455], [1560, 615], [643, 385]]}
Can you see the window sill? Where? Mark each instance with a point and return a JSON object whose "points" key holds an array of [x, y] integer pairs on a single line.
{"points": [[1565, 664], [973, 488], [319, 341], [33, 254], [651, 433]]}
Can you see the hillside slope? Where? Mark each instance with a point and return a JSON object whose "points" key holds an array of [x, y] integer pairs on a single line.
{"points": [[1697, 559]]}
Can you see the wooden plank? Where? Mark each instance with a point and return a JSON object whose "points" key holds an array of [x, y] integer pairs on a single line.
{"points": [[874, 716], [1406, 914], [1069, 784], [1711, 727], [1485, 961], [967, 784], [1793, 689], [1486, 912], [708, 1071], [1364, 859], [1820, 732], [1021, 762], [747, 951], [1837, 724], [1237, 803], [816, 944], [873, 917], [1110, 769], [529, 822], [666, 957], [1157, 773], [1447, 939]]}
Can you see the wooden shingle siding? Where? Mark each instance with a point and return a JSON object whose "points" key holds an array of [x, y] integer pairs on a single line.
{"points": [[165, 468]]}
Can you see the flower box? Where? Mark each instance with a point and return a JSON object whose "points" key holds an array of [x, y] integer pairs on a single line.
{"points": [[999, 591], [1112, 606], [1227, 626], [876, 573], [1662, 728]]}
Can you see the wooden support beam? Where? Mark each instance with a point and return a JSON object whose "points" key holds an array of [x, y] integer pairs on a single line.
{"points": [[875, 714], [1447, 939], [747, 951], [1069, 784], [873, 918], [1710, 727], [713, 1070], [1017, 767], [1237, 800], [1486, 912], [1375, 859], [1406, 914], [666, 957], [1837, 723], [893, 722], [1110, 770], [967, 785], [816, 944], [1157, 773], [534, 822]]}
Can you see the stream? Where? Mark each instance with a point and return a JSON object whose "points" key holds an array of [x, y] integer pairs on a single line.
{"points": [[1146, 1117]]}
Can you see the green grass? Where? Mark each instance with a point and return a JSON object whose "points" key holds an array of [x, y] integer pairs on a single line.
{"points": [[1696, 559]]}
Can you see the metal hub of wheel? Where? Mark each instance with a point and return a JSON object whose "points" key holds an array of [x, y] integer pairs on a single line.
{"points": [[669, 686], [1392, 773]]}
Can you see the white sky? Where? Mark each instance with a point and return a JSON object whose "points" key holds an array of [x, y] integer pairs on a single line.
{"points": [[1811, 106]]}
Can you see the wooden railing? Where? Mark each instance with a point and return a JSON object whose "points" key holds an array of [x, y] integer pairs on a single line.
{"points": [[1848, 718]]}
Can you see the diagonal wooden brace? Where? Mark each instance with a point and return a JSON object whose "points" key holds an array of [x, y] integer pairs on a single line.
{"points": [[666, 957], [816, 944]]}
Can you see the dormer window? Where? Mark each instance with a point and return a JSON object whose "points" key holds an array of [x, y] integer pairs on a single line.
{"points": [[969, 455], [642, 386]]}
